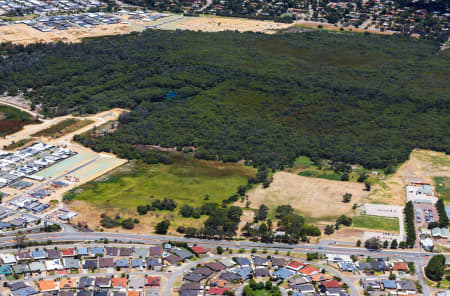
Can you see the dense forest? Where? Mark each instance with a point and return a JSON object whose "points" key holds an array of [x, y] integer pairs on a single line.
{"points": [[354, 98]]}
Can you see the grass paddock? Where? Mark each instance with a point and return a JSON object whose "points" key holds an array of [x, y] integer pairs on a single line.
{"points": [[186, 181]]}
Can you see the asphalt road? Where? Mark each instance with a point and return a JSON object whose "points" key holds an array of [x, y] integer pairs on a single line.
{"points": [[419, 258]]}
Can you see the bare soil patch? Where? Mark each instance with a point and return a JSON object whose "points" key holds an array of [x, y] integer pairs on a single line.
{"points": [[345, 235], [216, 24], [313, 197]]}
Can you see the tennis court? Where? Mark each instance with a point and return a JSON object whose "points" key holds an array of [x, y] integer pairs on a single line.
{"points": [[66, 164]]}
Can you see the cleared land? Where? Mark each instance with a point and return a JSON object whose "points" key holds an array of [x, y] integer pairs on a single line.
{"points": [[23, 34], [422, 165], [216, 24], [64, 127], [313, 197], [12, 120], [376, 222]]}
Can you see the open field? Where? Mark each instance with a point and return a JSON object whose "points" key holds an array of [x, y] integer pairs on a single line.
{"points": [[12, 120], [376, 222], [304, 166], [216, 24], [91, 216], [24, 34], [310, 196], [66, 126], [186, 181], [442, 187], [422, 165]]}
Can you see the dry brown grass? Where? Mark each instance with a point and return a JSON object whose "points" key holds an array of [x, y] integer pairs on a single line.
{"points": [[23, 34], [345, 235], [216, 24], [91, 215], [313, 197]]}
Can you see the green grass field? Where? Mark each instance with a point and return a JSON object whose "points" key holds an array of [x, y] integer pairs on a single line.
{"points": [[330, 175], [186, 181], [442, 187], [376, 222]]}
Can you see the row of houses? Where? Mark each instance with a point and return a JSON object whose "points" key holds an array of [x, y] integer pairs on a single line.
{"points": [[93, 258], [217, 277], [346, 264], [400, 287], [89, 286], [26, 162], [47, 7]]}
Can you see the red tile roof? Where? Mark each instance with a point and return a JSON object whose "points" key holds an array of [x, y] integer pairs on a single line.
{"points": [[217, 291], [332, 284], [154, 281], [308, 270], [296, 264], [119, 282], [68, 252], [199, 250], [400, 266]]}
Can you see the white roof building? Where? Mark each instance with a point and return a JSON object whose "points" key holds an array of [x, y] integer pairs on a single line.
{"points": [[420, 193], [8, 258], [53, 264], [427, 244], [338, 258]]}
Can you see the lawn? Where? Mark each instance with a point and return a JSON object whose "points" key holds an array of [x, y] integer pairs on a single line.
{"points": [[12, 120], [187, 181], [376, 222], [442, 187], [64, 127]]}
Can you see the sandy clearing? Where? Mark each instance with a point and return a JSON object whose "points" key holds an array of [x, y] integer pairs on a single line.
{"points": [[313, 197], [24, 34], [345, 235], [422, 166], [216, 24]]}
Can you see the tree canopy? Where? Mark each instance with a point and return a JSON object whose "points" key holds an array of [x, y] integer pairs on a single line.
{"points": [[267, 99]]}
